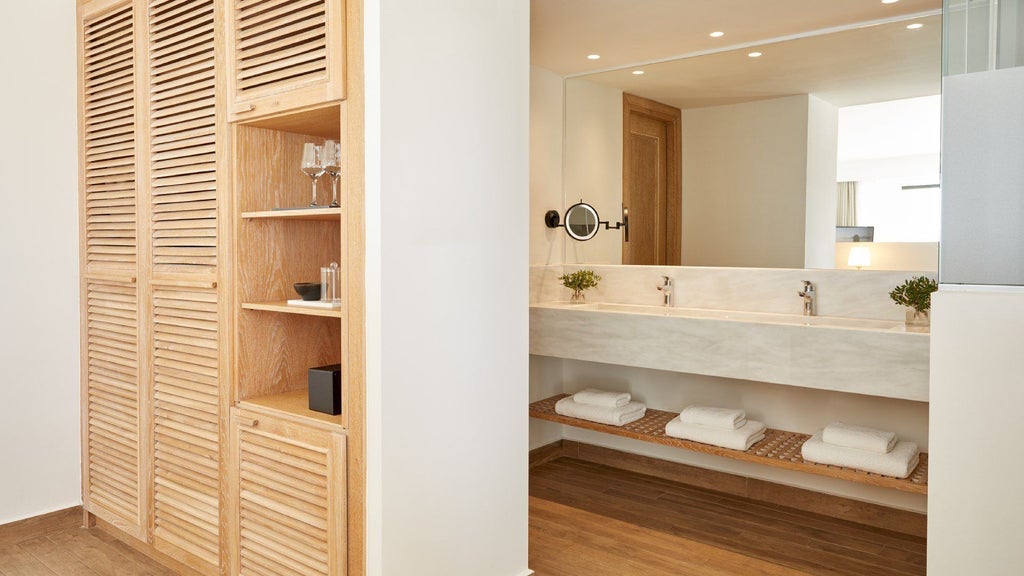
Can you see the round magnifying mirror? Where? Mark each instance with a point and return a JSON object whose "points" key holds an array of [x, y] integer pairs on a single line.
{"points": [[581, 221]]}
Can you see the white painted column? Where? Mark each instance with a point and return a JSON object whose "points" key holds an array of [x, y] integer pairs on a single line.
{"points": [[447, 274]]}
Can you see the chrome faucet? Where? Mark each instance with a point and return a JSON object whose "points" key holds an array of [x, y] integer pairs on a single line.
{"points": [[666, 289], [808, 296]]}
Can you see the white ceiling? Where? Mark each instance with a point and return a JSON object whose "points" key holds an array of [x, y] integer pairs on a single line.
{"points": [[858, 66], [564, 32]]}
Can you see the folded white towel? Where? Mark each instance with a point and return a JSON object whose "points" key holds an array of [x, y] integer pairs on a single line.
{"points": [[899, 463], [860, 437], [597, 397], [619, 416], [714, 417], [738, 439]]}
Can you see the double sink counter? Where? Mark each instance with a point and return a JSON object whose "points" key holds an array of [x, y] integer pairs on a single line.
{"points": [[856, 355]]}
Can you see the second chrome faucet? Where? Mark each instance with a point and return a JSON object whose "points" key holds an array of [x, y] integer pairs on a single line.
{"points": [[808, 295], [666, 290]]}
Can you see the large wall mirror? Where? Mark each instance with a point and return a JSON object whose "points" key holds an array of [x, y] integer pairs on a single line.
{"points": [[752, 157]]}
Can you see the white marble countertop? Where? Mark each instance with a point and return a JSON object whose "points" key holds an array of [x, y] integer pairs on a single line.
{"points": [[856, 355]]}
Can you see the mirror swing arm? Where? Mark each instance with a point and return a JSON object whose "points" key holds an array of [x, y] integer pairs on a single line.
{"points": [[582, 222]]}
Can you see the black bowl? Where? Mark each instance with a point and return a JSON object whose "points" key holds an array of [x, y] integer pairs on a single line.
{"points": [[308, 290]]}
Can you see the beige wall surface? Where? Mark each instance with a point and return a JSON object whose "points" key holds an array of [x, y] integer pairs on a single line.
{"points": [[916, 256], [744, 184], [546, 244], [40, 455], [593, 165]]}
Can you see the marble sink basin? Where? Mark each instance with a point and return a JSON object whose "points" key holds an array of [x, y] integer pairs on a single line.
{"points": [[737, 316], [861, 356]]}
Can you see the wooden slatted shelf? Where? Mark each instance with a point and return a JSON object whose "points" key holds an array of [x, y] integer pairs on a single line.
{"points": [[779, 447], [317, 214], [286, 308], [292, 405]]}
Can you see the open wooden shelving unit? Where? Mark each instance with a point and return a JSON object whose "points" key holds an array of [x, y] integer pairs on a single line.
{"points": [[779, 448], [278, 342]]}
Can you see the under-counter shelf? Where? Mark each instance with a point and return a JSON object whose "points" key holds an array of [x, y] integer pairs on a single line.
{"points": [[317, 214], [779, 447], [292, 405], [286, 308]]}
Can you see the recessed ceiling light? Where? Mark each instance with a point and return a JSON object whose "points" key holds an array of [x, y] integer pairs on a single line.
{"points": [[638, 72], [593, 56], [717, 34], [754, 54], [915, 26], [889, 1]]}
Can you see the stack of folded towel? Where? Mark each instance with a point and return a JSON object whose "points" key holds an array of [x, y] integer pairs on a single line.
{"points": [[862, 448], [723, 427], [614, 408]]}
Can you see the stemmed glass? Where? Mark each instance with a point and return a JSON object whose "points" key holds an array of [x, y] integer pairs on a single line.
{"points": [[312, 165], [332, 165]]}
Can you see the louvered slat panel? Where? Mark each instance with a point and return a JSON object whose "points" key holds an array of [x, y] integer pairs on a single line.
{"points": [[108, 139], [283, 506], [183, 135], [185, 417], [279, 42], [112, 396]]}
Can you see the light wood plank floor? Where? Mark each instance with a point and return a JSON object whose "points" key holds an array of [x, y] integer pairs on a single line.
{"points": [[57, 545], [592, 520]]}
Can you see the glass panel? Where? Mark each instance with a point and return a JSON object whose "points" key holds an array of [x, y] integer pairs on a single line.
{"points": [[982, 35]]}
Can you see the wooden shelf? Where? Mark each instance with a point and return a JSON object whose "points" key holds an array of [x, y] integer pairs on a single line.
{"points": [[779, 448], [315, 214], [294, 406], [286, 308]]}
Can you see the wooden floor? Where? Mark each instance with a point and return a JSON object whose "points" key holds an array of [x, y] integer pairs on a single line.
{"points": [[56, 545], [585, 520], [591, 520]]}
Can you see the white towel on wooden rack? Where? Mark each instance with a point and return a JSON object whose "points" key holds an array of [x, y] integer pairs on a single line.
{"points": [[619, 416], [860, 437], [741, 438], [604, 398], [710, 416], [899, 463]]}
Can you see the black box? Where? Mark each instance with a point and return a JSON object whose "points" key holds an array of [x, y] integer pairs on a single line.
{"points": [[325, 389]]}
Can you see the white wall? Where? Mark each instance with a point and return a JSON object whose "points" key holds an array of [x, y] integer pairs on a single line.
{"points": [[447, 157], [40, 460], [593, 164], [976, 513], [820, 214], [745, 184], [546, 244]]}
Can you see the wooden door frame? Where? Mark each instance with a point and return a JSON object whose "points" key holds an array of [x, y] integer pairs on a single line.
{"points": [[673, 117]]}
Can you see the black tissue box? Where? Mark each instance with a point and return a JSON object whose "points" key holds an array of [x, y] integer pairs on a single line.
{"points": [[325, 389]]}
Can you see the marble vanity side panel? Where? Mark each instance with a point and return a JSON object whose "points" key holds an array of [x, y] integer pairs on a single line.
{"points": [[893, 365], [845, 293]]}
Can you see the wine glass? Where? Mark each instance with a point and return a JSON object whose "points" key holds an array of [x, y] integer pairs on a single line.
{"points": [[332, 165], [312, 165]]}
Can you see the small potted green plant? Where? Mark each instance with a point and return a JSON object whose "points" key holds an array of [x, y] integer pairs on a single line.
{"points": [[579, 282], [916, 295]]}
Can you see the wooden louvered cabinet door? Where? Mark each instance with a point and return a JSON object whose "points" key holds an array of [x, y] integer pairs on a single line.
{"points": [[183, 197], [186, 456], [284, 55], [288, 497], [113, 403]]}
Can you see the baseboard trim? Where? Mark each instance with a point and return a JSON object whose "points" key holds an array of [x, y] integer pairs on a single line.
{"points": [[546, 453], [527, 573], [866, 513]]}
